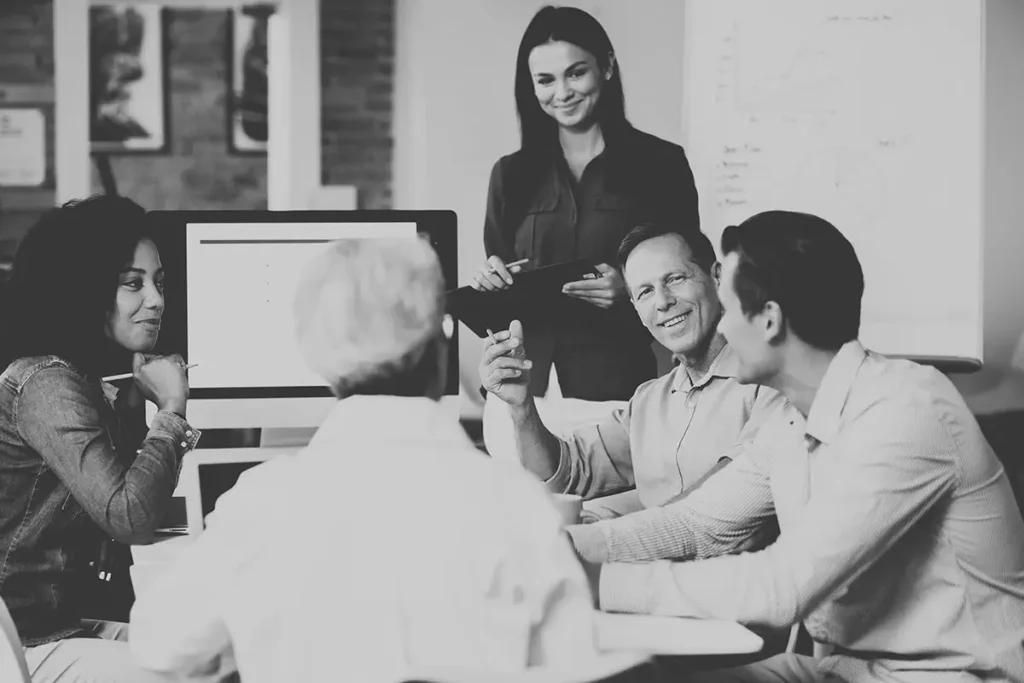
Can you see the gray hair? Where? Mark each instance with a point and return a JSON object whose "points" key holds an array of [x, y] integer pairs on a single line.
{"points": [[367, 309]]}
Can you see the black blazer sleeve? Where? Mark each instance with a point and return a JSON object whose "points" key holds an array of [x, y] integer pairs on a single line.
{"points": [[498, 240]]}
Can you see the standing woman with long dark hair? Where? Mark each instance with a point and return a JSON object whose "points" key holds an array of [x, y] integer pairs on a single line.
{"points": [[581, 179]]}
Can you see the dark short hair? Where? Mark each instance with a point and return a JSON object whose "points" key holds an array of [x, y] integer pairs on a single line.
{"points": [[698, 243], [805, 265], [64, 279]]}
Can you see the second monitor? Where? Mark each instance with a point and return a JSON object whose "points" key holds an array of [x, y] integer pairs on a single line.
{"points": [[230, 278]]}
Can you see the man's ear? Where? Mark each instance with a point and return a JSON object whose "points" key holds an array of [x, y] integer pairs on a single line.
{"points": [[774, 322], [716, 273]]}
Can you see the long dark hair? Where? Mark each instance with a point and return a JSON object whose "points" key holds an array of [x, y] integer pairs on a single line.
{"points": [[63, 283], [538, 131]]}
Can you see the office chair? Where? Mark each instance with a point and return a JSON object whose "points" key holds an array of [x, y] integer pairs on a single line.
{"points": [[13, 667]]}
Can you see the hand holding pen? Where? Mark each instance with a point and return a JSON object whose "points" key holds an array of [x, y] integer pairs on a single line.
{"points": [[496, 274], [160, 379], [504, 369], [126, 375]]}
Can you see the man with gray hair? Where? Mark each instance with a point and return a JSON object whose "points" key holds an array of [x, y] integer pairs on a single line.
{"points": [[389, 545]]}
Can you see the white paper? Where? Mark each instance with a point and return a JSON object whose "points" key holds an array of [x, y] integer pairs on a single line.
{"points": [[22, 148]]}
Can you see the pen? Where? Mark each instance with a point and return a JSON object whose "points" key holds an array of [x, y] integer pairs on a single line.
{"points": [[126, 375], [520, 262]]}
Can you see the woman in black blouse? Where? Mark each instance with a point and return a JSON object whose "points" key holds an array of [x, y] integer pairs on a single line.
{"points": [[581, 179]]}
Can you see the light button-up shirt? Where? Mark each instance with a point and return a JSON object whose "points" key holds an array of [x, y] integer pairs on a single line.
{"points": [[669, 435], [901, 543], [390, 545]]}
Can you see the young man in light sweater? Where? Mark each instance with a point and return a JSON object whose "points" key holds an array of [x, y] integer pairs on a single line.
{"points": [[901, 545]]}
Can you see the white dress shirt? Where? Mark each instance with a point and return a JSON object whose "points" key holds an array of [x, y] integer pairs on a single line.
{"points": [[901, 543], [387, 546]]}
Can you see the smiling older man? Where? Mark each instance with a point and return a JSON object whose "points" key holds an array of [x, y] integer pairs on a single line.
{"points": [[677, 429]]}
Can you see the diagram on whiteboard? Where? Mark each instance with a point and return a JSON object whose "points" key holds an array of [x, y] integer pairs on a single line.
{"points": [[846, 181], [800, 79], [820, 106]]}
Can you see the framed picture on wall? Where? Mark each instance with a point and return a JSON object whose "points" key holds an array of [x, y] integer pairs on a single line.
{"points": [[129, 108], [247, 85]]}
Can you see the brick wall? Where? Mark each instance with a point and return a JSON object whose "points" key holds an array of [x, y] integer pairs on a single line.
{"points": [[199, 172], [357, 44], [26, 58], [357, 48]]}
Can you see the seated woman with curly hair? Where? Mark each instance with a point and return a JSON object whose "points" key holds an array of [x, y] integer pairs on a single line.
{"points": [[81, 476]]}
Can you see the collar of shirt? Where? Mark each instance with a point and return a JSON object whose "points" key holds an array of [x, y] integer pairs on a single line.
{"points": [[823, 417], [390, 419], [725, 365]]}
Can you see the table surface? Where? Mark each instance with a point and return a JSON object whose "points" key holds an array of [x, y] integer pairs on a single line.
{"points": [[640, 633]]}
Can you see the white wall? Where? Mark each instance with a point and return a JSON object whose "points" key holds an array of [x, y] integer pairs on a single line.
{"points": [[1000, 385], [455, 115]]}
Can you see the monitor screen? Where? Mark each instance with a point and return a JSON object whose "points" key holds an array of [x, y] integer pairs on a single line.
{"points": [[216, 479], [230, 280]]}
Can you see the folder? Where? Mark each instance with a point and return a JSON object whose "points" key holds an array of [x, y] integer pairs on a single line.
{"points": [[534, 296]]}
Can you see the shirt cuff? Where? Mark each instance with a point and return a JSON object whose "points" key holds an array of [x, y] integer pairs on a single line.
{"points": [[589, 541], [628, 587], [559, 481], [172, 427]]}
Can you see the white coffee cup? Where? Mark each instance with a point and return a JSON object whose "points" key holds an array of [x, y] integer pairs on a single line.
{"points": [[569, 507]]}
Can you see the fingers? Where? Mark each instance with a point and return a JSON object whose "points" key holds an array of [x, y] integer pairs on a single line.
{"points": [[506, 347], [593, 295], [495, 337], [515, 329], [488, 281], [505, 368], [497, 267], [608, 280], [594, 285]]}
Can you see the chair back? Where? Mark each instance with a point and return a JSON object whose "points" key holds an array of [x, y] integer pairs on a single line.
{"points": [[13, 667]]}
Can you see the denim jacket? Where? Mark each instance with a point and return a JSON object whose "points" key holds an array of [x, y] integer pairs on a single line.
{"points": [[73, 472]]}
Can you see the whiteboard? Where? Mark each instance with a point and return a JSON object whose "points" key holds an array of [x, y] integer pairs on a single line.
{"points": [[867, 113]]}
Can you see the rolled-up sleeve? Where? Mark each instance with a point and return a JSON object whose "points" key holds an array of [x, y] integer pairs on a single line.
{"points": [[893, 465], [717, 518], [596, 459], [58, 416]]}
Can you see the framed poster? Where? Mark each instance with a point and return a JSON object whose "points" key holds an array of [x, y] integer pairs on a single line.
{"points": [[247, 85], [22, 147], [128, 79]]}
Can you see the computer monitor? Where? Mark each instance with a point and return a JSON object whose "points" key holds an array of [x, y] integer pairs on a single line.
{"points": [[230, 278]]}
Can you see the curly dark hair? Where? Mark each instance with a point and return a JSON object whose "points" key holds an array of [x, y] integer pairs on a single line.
{"points": [[63, 283]]}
